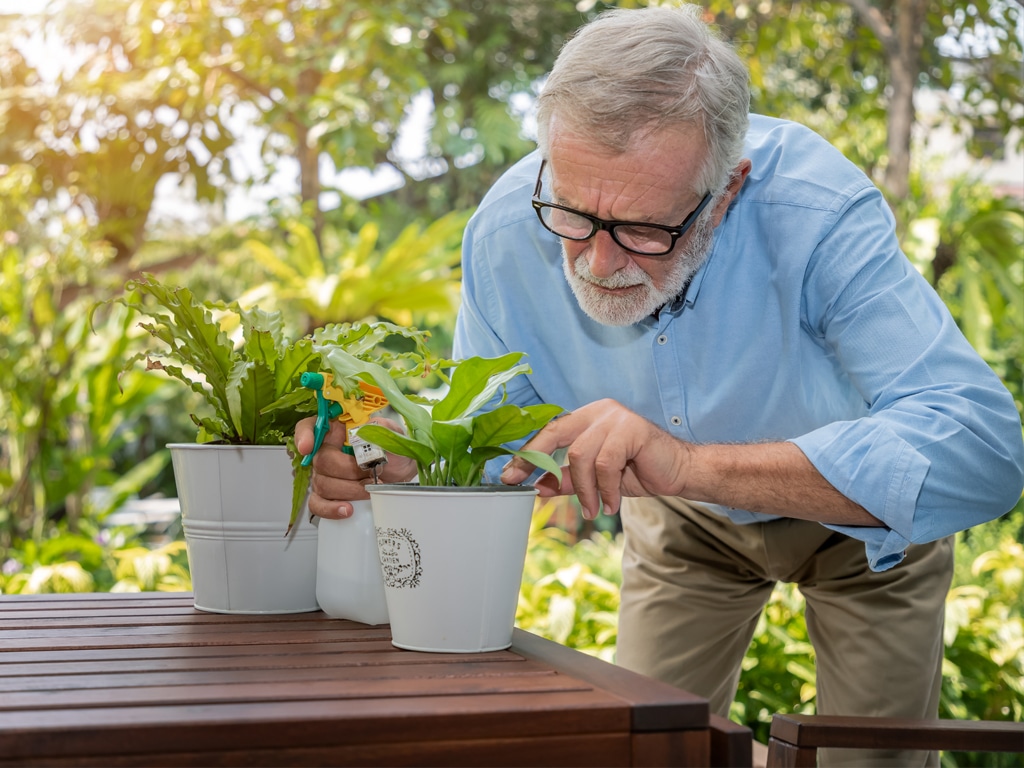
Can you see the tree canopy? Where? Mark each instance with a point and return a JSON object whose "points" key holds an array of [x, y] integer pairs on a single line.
{"points": [[851, 69], [131, 92]]}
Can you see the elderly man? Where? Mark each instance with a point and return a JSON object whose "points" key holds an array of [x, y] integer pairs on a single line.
{"points": [[755, 373]]}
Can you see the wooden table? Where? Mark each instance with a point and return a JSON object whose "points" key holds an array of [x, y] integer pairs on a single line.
{"points": [[111, 680]]}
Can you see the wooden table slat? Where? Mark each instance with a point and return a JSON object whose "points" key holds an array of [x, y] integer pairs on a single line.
{"points": [[146, 616], [382, 668], [103, 598], [285, 690], [171, 658], [356, 721], [598, 749], [190, 629], [115, 639]]}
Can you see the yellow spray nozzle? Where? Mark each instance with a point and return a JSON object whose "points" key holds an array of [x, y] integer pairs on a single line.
{"points": [[333, 403]]}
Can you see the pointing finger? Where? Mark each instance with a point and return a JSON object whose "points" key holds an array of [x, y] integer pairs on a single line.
{"points": [[557, 434]]}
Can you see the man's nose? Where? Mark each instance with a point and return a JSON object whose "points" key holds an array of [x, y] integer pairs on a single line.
{"points": [[605, 257]]}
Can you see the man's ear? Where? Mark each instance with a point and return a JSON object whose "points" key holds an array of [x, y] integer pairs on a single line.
{"points": [[736, 178]]}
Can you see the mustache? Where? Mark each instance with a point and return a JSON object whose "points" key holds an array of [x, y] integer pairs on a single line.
{"points": [[624, 278]]}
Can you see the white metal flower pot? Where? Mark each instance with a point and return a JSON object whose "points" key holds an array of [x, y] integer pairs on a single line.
{"points": [[349, 584], [452, 561], [235, 503]]}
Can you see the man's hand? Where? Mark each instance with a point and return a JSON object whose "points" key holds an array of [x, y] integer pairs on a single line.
{"points": [[613, 452], [337, 479]]}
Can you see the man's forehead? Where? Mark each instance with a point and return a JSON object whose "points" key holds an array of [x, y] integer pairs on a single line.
{"points": [[650, 181], [616, 141]]}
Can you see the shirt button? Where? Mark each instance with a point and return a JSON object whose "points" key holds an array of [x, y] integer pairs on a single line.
{"points": [[663, 339], [676, 421]]}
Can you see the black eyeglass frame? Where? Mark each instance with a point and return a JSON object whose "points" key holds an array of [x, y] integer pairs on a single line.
{"points": [[610, 225]]}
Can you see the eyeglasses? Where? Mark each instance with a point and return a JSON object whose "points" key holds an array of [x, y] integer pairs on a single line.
{"points": [[635, 236]]}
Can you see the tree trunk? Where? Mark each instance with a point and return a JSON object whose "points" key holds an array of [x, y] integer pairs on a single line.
{"points": [[904, 55], [945, 257], [899, 32]]}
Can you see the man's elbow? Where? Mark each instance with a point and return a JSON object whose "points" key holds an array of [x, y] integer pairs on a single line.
{"points": [[1011, 476]]}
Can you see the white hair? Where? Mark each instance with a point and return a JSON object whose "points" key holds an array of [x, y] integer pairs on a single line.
{"points": [[631, 73]]}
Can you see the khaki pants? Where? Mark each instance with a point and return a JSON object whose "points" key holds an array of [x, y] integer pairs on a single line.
{"points": [[694, 585]]}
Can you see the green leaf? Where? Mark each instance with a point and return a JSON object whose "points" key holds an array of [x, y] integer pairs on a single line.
{"points": [[213, 430], [260, 347], [300, 483], [264, 335], [296, 360], [542, 461], [188, 330], [250, 385], [510, 422], [473, 473], [299, 399], [451, 440], [475, 382]]}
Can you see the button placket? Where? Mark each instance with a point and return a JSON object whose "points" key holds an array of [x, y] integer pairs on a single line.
{"points": [[671, 402]]}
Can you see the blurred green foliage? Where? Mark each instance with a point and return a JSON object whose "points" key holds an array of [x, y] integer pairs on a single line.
{"points": [[69, 422], [96, 560], [355, 276], [570, 591]]}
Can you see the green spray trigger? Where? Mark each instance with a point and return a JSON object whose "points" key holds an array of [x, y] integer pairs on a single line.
{"points": [[325, 411]]}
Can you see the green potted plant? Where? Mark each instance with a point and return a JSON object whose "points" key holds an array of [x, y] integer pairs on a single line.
{"points": [[242, 479], [451, 548]]}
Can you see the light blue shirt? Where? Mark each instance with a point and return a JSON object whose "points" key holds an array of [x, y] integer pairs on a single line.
{"points": [[806, 323]]}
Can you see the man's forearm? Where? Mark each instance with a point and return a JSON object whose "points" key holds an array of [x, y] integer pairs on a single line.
{"points": [[773, 478]]}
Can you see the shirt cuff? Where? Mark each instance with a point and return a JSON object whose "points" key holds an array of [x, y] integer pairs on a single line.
{"points": [[870, 464], [884, 548]]}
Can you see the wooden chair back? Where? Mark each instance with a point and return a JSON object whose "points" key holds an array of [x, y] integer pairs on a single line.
{"points": [[795, 739]]}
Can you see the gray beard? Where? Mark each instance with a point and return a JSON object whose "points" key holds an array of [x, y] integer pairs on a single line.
{"points": [[644, 298]]}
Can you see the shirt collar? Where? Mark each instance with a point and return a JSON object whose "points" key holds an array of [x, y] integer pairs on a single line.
{"points": [[688, 296]]}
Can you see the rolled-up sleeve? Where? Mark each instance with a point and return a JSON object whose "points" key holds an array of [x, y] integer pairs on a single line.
{"points": [[941, 448]]}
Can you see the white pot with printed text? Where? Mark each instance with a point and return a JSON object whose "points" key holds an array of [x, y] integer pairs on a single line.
{"points": [[452, 563]]}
